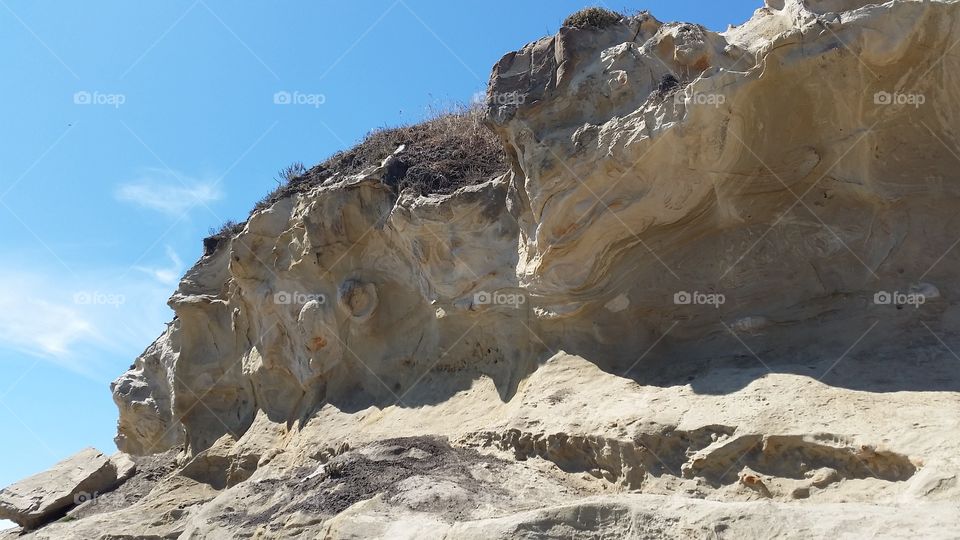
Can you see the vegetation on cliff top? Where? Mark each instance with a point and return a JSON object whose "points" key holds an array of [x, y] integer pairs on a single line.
{"points": [[450, 150], [593, 17]]}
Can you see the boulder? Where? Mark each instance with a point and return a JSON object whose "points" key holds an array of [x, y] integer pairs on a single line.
{"points": [[124, 465], [44, 497]]}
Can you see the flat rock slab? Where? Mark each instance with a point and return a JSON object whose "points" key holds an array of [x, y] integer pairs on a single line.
{"points": [[43, 497], [124, 465]]}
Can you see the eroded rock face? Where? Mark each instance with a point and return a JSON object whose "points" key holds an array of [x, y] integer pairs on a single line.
{"points": [[721, 266], [656, 168], [362, 294], [763, 164], [144, 396]]}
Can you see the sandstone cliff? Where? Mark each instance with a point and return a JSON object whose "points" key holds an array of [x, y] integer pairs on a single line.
{"points": [[713, 295]]}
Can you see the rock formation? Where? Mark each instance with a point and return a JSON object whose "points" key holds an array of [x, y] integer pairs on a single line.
{"points": [[713, 296], [75, 480]]}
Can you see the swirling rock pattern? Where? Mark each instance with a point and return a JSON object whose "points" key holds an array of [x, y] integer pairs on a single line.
{"points": [[719, 271]]}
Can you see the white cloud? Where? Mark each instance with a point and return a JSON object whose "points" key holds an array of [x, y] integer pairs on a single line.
{"points": [[169, 275], [169, 192], [78, 322], [40, 327]]}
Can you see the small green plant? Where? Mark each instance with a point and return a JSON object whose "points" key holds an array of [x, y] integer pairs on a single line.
{"points": [[593, 17]]}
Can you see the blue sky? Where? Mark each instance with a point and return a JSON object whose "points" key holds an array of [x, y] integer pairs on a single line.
{"points": [[131, 128]]}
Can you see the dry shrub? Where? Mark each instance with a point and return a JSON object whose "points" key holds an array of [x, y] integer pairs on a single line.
{"points": [[593, 17], [227, 230], [452, 149]]}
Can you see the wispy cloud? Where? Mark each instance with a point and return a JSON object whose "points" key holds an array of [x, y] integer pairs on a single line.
{"points": [[36, 326], [169, 192], [169, 275], [79, 322]]}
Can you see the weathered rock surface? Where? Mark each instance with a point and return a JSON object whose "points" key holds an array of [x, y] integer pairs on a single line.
{"points": [[715, 296], [46, 496]]}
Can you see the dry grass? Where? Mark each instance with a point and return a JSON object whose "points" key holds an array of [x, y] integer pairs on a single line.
{"points": [[593, 17], [288, 173], [227, 230], [450, 150]]}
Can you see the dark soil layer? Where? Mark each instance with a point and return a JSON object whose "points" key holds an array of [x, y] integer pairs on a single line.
{"points": [[150, 470], [362, 474]]}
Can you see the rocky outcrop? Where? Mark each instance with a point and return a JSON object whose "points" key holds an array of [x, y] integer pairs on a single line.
{"points": [[143, 397], [763, 167], [755, 180], [714, 295], [46, 496]]}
